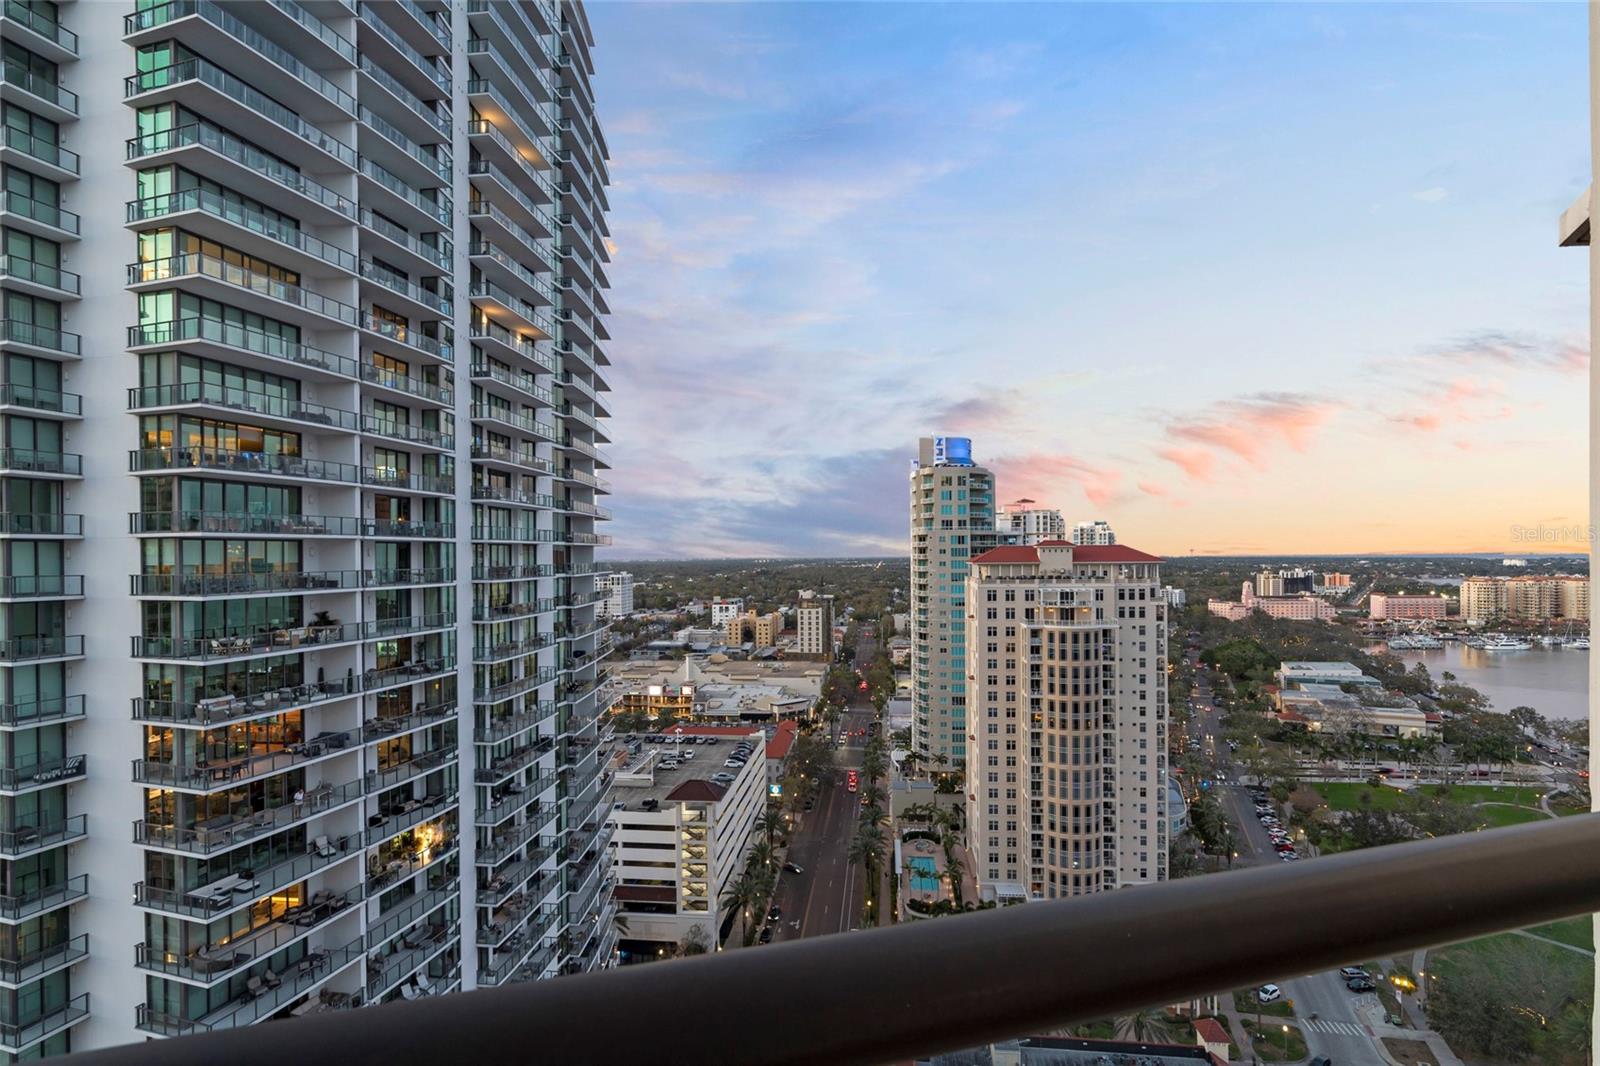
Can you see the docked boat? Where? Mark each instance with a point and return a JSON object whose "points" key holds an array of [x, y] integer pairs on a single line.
{"points": [[1578, 644], [1501, 642]]}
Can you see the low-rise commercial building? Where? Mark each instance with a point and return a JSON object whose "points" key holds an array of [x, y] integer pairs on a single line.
{"points": [[1336, 697], [682, 823], [715, 687], [1389, 606]]}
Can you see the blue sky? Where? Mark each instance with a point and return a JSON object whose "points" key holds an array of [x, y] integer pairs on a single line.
{"points": [[1273, 278]]}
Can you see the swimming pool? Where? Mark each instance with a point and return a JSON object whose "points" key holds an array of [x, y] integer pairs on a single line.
{"points": [[924, 873]]}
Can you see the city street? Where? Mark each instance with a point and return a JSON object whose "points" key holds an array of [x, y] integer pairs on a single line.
{"points": [[829, 895]]}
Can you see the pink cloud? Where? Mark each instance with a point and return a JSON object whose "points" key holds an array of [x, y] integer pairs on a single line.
{"points": [[1150, 488], [1196, 462], [1043, 477], [1519, 351], [1250, 428], [1461, 400]]}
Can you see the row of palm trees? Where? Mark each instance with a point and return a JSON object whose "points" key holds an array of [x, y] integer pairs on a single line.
{"points": [[754, 886]]}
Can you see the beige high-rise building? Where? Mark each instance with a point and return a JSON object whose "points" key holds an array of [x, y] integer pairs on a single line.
{"points": [[1534, 598], [759, 629], [1067, 769], [1030, 523], [814, 626]]}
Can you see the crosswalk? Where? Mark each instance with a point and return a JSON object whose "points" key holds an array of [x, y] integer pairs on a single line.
{"points": [[1324, 1025]]}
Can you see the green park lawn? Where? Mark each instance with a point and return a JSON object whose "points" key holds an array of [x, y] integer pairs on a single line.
{"points": [[1345, 796], [1579, 932]]}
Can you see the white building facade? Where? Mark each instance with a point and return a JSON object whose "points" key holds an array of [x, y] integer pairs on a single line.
{"points": [[1067, 775], [1097, 531], [315, 299], [617, 588], [814, 626], [1029, 523]]}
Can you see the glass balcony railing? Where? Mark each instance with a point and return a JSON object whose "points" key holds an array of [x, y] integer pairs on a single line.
{"points": [[28, 461], [40, 148], [213, 76], [46, 214], [46, 274], [37, 336], [37, 399], [197, 264], [39, 19], [274, 227], [210, 394], [31, 83], [205, 135], [160, 14], [147, 460]]}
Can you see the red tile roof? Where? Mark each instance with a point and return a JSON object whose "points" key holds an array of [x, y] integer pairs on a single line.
{"points": [[1081, 553], [778, 747], [1208, 1030], [697, 791]]}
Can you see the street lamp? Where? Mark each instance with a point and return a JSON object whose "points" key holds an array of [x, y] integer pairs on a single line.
{"points": [[1285, 1041]]}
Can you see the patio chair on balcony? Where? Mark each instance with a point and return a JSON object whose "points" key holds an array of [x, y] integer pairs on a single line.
{"points": [[323, 848]]}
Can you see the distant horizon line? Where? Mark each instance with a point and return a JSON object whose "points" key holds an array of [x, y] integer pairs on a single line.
{"points": [[1164, 558]]}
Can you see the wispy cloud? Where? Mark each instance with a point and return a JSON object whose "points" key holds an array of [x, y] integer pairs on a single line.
{"points": [[1249, 429], [1516, 351]]}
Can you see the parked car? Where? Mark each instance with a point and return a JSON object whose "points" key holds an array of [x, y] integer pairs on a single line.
{"points": [[766, 935], [1361, 984], [1349, 972], [792, 868], [774, 913], [1268, 993]]}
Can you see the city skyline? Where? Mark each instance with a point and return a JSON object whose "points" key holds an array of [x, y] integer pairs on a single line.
{"points": [[832, 220]]}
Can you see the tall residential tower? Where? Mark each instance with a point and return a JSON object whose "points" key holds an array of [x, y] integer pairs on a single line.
{"points": [[952, 519], [312, 294], [1067, 771]]}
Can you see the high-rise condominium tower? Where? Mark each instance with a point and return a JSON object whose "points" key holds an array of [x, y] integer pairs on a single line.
{"points": [[813, 625], [1097, 531], [952, 519], [303, 331], [1066, 733], [1028, 523]]}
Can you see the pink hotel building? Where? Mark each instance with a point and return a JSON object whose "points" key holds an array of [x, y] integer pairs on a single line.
{"points": [[1302, 608], [1389, 606]]}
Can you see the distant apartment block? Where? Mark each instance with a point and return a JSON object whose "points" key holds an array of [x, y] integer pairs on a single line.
{"points": [[952, 519], [722, 610], [617, 588], [1285, 582], [759, 629], [1388, 606], [814, 626], [1335, 580], [1097, 531], [1529, 598], [1306, 608], [1175, 597], [1067, 775], [1029, 523]]}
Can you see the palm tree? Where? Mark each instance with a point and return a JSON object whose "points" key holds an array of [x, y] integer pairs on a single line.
{"points": [[760, 858], [1148, 1026], [738, 897], [768, 823], [867, 851], [953, 870]]}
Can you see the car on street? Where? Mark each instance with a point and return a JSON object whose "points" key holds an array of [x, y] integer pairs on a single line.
{"points": [[766, 935], [1361, 984], [1268, 993], [1351, 972], [774, 912], [793, 868]]}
